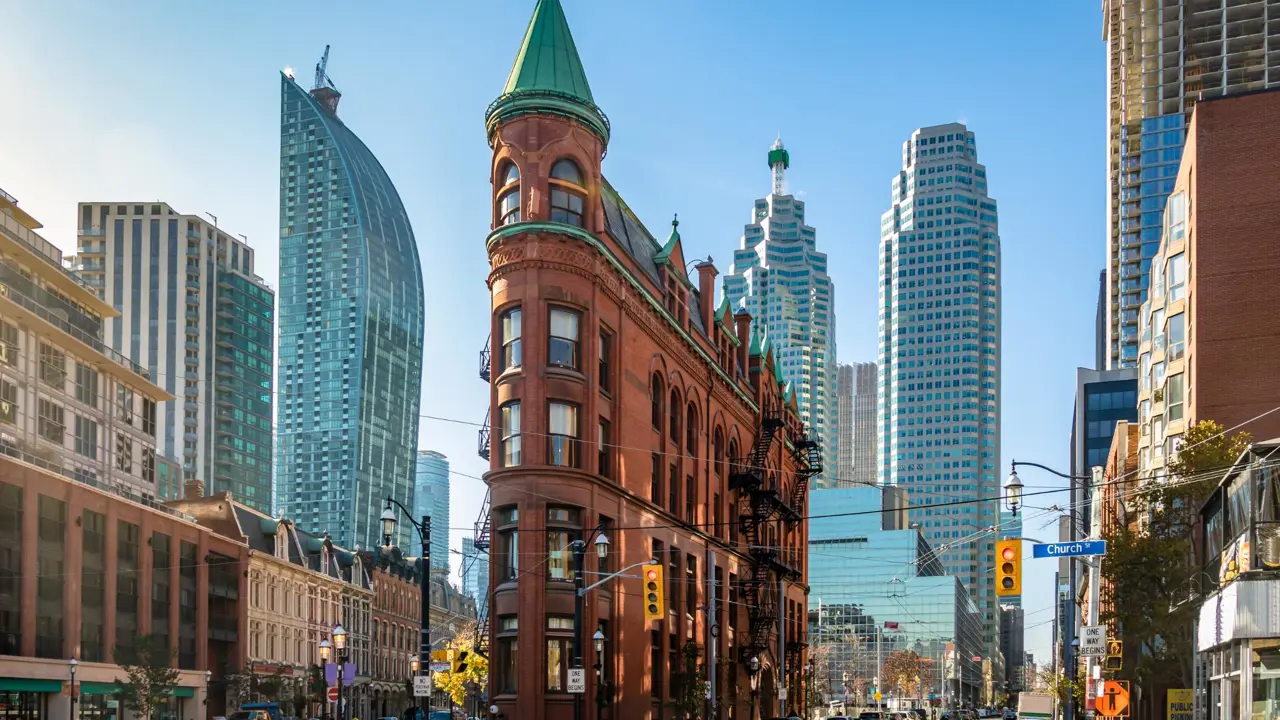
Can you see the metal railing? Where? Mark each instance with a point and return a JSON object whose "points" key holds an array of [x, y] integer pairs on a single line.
{"points": [[44, 249], [14, 295]]}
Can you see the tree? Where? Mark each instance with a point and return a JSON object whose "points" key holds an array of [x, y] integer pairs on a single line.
{"points": [[689, 683], [1151, 569], [148, 664], [901, 672], [476, 673], [1062, 687]]}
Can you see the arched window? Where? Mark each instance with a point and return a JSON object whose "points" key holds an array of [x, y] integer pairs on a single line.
{"points": [[717, 449], [674, 427], [734, 460], [691, 430], [656, 394], [568, 193], [509, 194]]}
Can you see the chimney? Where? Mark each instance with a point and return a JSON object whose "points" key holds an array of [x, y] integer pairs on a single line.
{"points": [[742, 323], [192, 490], [707, 294]]}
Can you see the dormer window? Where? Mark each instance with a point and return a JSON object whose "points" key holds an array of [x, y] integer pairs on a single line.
{"points": [[509, 195], [567, 193]]}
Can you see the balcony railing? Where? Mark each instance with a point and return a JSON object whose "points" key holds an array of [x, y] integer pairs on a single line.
{"points": [[43, 313]]}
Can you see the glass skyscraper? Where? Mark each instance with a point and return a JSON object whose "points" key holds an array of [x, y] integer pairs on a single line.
{"points": [[431, 498], [475, 575], [1163, 56], [780, 278], [939, 413], [351, 314], [875, 589]]}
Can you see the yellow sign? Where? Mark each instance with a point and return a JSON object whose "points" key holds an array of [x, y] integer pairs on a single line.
{"points": [[1180, 705], [877, 696]]}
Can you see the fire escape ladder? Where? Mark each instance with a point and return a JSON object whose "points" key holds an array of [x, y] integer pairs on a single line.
{"points": [[809, 453], [482, 524], [486, 362], [750, 473], [483, 440]]}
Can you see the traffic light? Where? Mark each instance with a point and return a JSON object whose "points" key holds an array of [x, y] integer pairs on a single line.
{"points": [[458, 661], [1009, 567], [654, 604]]}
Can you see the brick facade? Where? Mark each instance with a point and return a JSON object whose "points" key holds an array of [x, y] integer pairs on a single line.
{"points": [[644, 411]]}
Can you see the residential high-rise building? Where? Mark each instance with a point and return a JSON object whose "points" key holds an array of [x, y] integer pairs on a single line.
{"points": [[1207, 334], [622, 397], [475, 575], [1163, 56], [856, 424], [351, 314], [780, 278], [70, 405], [431, 498], [197, 316], [939, 413]]}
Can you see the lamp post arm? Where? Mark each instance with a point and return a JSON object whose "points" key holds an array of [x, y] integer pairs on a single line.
{"points": [[1048, 469], [611, 576]]}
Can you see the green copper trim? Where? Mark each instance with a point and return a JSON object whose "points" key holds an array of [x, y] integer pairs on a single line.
{"points": [[506, 231], [779, 156], [547, 76]]}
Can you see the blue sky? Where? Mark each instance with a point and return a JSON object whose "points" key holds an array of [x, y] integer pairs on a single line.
{"points": [[180, 102]]}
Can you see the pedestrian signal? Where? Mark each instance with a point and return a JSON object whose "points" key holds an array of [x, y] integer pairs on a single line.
{"points": [[1009, 567], [654, 604]]}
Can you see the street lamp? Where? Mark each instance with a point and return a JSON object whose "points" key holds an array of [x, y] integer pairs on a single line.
{"points": [[72, 663], [579, 547], [753, 674], [413, 665], [603, 690], [340, 646], [1013, 491], [208, 675], [424, 534]]}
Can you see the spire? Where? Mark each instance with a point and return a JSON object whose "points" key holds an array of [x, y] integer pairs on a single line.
{"points": [[664, 255], [779, 161], [547, 76]]}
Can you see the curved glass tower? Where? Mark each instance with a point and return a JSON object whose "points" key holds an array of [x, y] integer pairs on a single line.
{"points": [[351, 307]]}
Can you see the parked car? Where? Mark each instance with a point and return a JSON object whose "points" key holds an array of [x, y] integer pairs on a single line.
{"points": [[871, 715]]}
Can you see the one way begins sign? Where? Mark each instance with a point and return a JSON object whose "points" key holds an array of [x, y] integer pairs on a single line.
{"points": [[1093, 641]]}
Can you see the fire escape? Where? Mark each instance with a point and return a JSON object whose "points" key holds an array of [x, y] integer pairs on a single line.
{"points": [[481, 533], [756, 509], [807, 454]]}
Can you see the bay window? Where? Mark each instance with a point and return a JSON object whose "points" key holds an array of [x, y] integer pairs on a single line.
{"points": [[562, 346], [511, 339], [510, 419], [562, 438], [509, 195]]}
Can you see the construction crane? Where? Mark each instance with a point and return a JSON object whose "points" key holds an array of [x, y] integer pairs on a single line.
{"points": [[322, 79], [325, 92]]}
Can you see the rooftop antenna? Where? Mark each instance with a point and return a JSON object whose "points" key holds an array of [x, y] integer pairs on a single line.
{"points": [[779, 161]]}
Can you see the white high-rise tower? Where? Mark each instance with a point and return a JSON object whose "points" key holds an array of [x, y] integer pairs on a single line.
{"points": [[939, 374], [781, 279]]}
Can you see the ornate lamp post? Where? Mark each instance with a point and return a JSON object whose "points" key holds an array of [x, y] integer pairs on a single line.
{"points": [[326, 651], [340, 647], [601, 543], [424, 534], [753, 673], [72, 663]]}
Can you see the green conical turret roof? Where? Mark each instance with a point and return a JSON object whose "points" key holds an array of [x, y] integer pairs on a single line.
{"points": [[548, 75]]}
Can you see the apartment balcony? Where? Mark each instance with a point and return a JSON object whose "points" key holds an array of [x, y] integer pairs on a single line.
{"points": [[192, 345], [193, 299], [191, 405], [91, 232], [193, 252]]}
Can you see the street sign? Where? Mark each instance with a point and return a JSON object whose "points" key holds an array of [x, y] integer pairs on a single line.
{"points": [[782, 694], [440, 667], [577, 680], [332, 694], [1114, 701], [1069, 549], [1093, 641], [422, 686]]}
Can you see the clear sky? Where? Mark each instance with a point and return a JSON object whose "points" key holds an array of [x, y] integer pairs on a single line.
{"points": [[179, 101]]}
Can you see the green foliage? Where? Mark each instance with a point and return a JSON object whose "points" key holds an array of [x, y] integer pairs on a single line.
{"points": [[689, 684], [148, 665], [1064, 687], [1149, 569]]}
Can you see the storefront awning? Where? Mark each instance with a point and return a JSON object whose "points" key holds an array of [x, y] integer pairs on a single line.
{"points": [[30, 685], [109, 688]]}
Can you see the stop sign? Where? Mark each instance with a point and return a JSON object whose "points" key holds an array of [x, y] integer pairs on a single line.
{"points": [[333, 694]]}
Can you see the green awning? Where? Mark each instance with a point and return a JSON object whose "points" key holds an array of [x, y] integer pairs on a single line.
{"points": [[109, 688], [30, 685]]}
